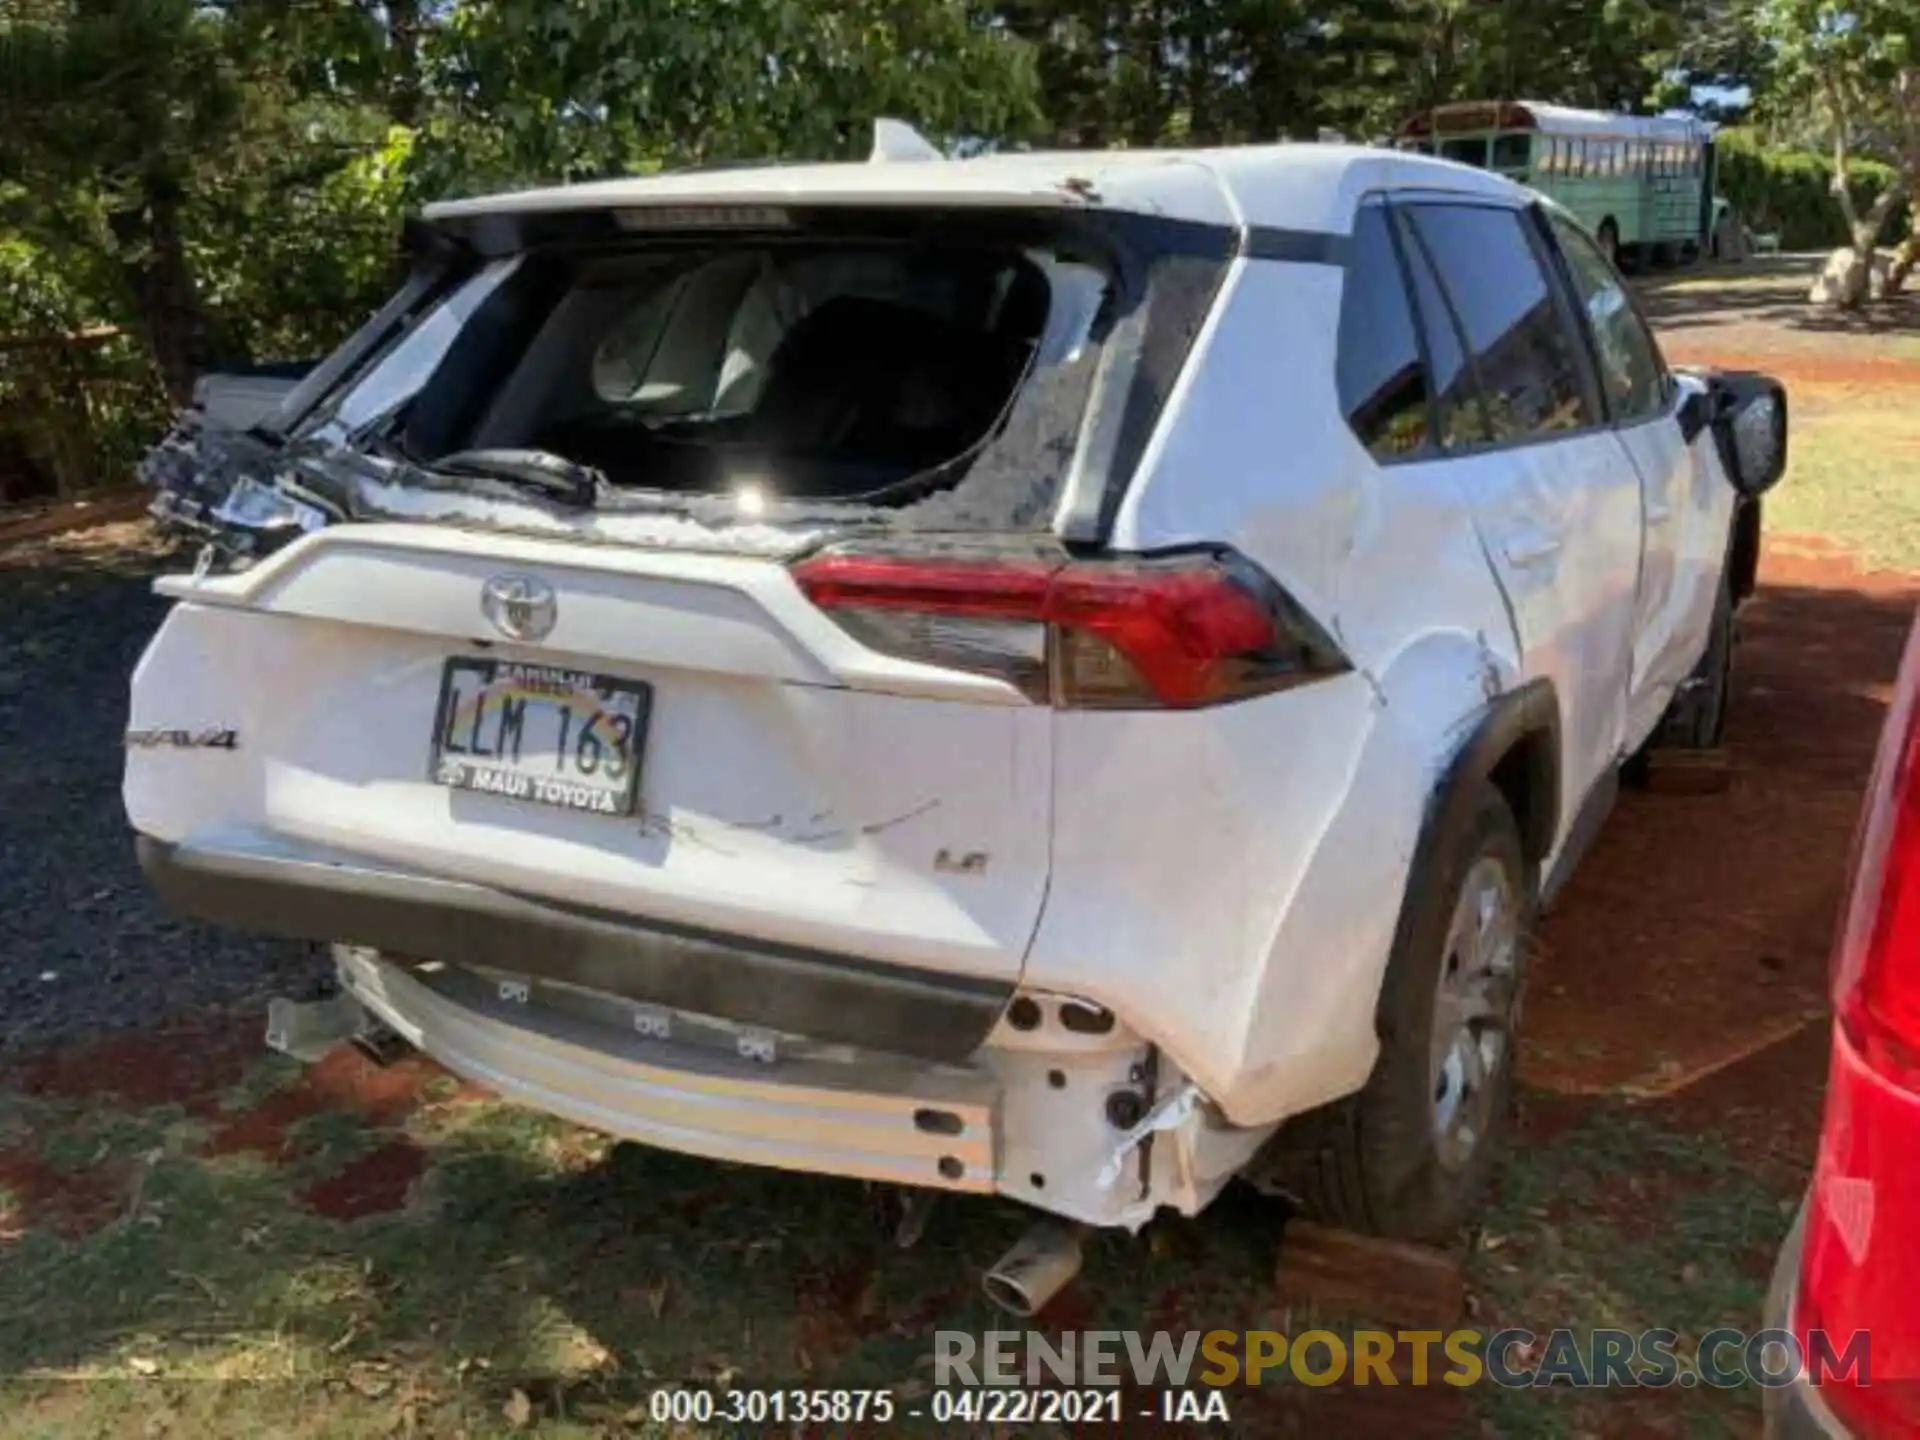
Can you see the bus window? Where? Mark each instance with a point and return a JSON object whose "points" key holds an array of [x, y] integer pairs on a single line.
{"points": [[1467, 150], [1512, 152]]}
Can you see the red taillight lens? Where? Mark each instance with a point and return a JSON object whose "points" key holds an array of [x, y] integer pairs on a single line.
{"points": [[1170, 631], [1877, 959]]}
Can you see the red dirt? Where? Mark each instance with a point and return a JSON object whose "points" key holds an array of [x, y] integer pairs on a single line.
{"points": [[69, 1203], [372, 1185], [1802, 369], [343, 1080], [1712, 914], [189, 1064]]}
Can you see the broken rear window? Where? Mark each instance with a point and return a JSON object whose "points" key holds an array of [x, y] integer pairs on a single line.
{"points": [[963, 371], [831, 372]]}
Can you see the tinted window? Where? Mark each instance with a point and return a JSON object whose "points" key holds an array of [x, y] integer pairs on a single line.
{"points": [[1456, 405], [1383, 386], [1467, 152], [1631, 371], [1512, 152], [1527, 357]]}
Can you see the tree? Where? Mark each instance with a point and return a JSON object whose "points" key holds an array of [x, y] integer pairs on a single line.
{"points": [[1856, 65], [105, 106], [601, 87]]}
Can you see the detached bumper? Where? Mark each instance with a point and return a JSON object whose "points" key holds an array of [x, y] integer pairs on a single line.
{"points": [[1794, 1411], [259, 881], [879, 1119]]}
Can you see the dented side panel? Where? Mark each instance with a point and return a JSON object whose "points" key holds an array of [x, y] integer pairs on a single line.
{"points": [[1258, 854]]}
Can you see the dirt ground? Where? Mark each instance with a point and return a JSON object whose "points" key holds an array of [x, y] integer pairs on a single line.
{"points": [[390, 1252]]}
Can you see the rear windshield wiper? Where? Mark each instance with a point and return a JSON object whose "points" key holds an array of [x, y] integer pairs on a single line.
{"points": [[553, 475]]}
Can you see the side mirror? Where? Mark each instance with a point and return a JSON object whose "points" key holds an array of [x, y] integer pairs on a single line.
{"points": [[1749, 418]]}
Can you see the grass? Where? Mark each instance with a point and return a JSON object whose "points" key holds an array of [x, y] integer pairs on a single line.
{"points": [[541, 1278], [1853, 471], [1622, 1224]]}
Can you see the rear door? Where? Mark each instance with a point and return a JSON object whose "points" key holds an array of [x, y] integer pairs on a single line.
{"points": [[1556, 499], [1686, 505]]}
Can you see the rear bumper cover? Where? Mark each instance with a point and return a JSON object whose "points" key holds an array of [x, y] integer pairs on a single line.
{"points": [[262, 882]]}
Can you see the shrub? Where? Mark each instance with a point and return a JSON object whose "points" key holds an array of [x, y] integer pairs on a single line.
{"points": [[1790, 192]]}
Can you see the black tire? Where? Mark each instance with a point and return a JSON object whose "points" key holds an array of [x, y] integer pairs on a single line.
{"points": [[1696, 717], [1374, 1162]]}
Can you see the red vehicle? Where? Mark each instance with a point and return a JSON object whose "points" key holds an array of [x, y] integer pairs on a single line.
{"points": [[1851, 1267]]}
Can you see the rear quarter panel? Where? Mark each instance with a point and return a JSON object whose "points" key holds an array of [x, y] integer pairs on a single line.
{"points": [[1231, 879]]}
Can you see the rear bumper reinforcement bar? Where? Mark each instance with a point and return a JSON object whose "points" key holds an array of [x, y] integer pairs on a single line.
{"points": [[861, 1119]]}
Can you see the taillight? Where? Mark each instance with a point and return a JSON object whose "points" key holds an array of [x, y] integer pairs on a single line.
{"points": [[1877, 959], [1137, 632]]}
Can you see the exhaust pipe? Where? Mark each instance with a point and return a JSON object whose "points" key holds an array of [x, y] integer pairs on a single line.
{"points": [[1038, 1267]]}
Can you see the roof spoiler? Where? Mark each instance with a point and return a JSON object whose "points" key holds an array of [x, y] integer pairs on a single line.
{"points": [[897, 140]]}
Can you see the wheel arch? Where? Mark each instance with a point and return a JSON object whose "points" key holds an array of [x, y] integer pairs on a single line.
{"points": [[1515, 745]]}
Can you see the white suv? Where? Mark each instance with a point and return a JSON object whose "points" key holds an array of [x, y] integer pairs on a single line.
{"points": [[1064, 676]]}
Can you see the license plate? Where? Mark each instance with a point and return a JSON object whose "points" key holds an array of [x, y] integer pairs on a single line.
{"points": [[541, 733]]}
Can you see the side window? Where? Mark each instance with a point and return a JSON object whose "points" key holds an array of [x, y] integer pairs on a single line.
{"points": [[1383, 385], [1512, 152], [1457, 414], [1631, 371], [1527, 356]]}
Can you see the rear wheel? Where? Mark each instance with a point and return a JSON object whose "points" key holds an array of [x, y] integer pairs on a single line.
{"points": [[1410, 1154]]}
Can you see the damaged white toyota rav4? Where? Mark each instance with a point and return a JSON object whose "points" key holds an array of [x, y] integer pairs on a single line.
{"points": [[1061, 676]]}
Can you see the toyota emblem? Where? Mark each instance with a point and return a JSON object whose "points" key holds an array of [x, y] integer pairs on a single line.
{"points": [[520, 607]]}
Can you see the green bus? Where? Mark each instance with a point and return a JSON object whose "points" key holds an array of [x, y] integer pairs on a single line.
{"points": [[1642, 184]]}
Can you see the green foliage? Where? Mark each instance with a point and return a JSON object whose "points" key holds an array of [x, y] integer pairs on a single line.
{"points": [[1790, 192], [1855, 66], [601, 87]]}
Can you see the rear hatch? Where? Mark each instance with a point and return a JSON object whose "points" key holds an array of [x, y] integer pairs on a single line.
{"points": [[642, 571]]}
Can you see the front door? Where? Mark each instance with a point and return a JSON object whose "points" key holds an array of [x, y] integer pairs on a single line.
{"points": [[1686, 503]]}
